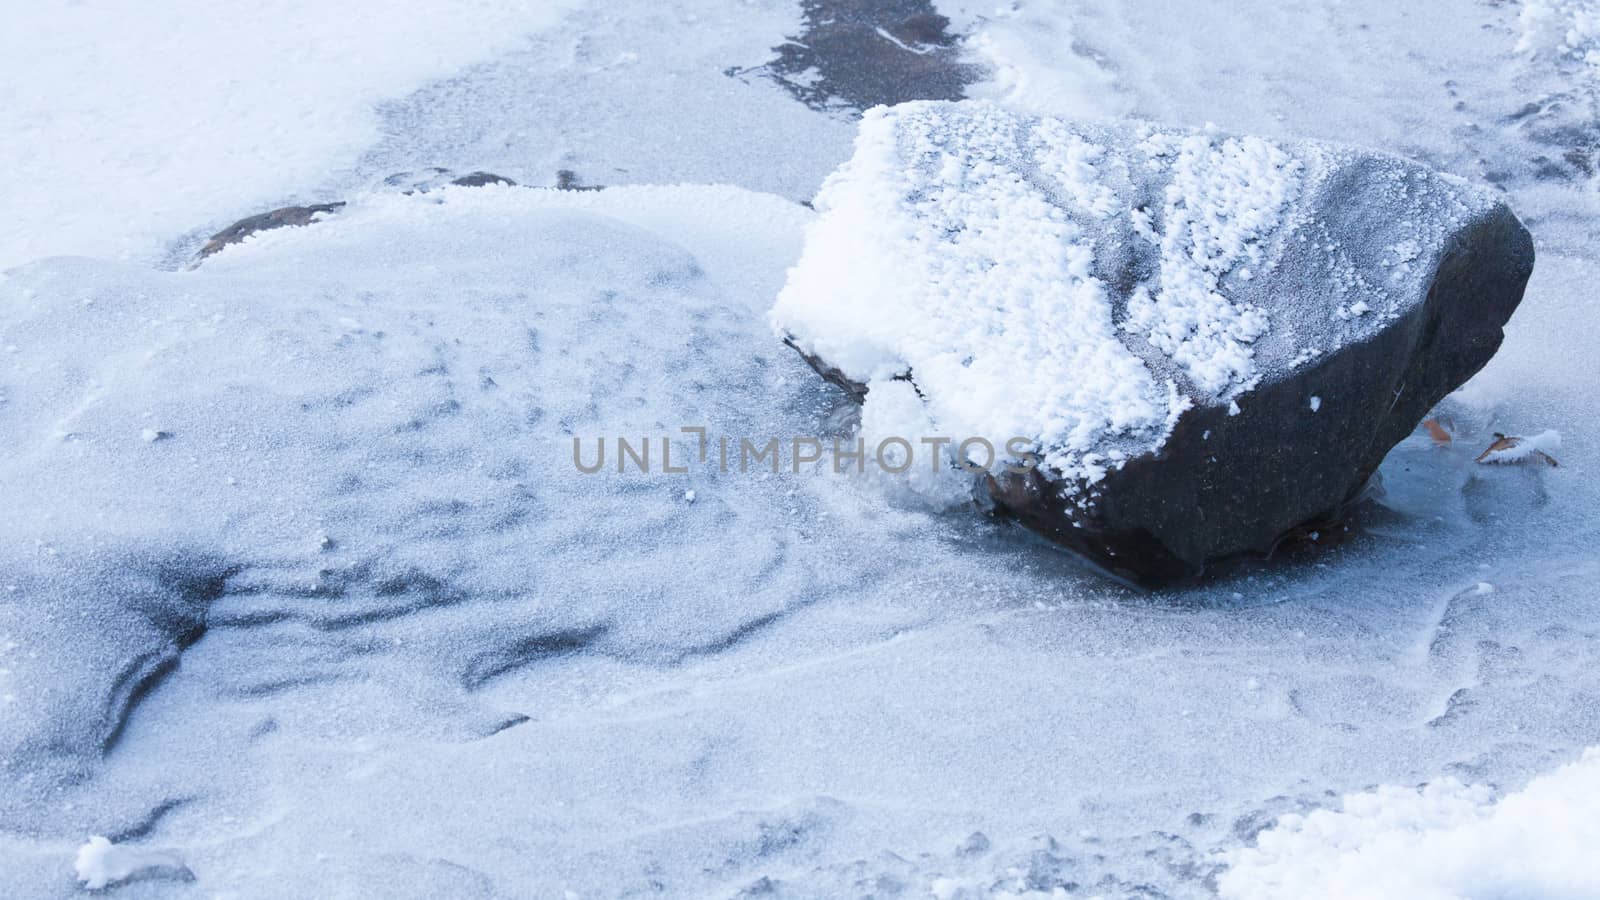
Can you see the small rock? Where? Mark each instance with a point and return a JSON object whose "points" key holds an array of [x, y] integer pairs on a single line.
{"points": [[279, 218], [567, 180], [480, 179], [433, 178]]}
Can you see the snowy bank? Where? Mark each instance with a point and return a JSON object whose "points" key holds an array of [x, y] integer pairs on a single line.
{"points": [[1444, 841]]}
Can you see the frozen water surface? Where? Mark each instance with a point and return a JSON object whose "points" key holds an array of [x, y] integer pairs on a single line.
{"points": [[300, 592]]}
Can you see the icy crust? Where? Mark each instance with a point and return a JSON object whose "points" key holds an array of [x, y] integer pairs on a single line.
{"points": [[1080, 286]]}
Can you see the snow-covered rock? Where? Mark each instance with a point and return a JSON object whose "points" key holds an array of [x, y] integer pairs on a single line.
{"points": [[1179, 344]]}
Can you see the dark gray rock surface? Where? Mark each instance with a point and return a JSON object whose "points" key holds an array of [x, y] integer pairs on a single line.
{"points": [[854, 54]]}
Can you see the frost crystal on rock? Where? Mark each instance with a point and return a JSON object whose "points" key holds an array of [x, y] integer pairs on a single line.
{"points": [[1225, 198]]}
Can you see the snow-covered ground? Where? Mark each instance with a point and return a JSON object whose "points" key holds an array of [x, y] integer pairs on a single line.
{"points": [[128, 124], [301, 593]]}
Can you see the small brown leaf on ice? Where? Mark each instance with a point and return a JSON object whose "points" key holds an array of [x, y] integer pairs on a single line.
{"points": [[1501, 444], [1437, 432], [1508, 450]]}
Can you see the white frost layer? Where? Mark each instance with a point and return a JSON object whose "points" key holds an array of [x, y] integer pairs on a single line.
{"points": [[128, 124], [101, 863], [396, 390], [1444, 841], [1225, 199]]}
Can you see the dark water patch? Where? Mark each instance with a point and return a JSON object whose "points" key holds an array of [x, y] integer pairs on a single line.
{"points": [[1566, 130], [1554, 138], [481, 179], [855, 54]]}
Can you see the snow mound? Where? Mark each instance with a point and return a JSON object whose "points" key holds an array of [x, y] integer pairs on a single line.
{"points": [[1443, 841]]}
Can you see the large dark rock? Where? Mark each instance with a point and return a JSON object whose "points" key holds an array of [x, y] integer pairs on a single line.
{"points": [[1210, 341]]}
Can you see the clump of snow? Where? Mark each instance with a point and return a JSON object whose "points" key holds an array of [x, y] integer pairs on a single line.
{"points": [[1073, 165], [1405, 251], [1444, 841], [101, 863], [1358, 308]]}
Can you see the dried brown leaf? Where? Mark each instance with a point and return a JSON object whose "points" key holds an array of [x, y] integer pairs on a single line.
{"points": [[1498, 453], [1437, 431]]}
